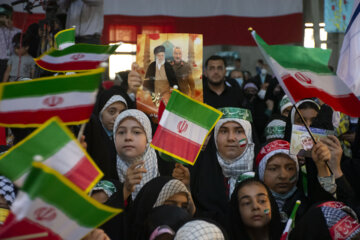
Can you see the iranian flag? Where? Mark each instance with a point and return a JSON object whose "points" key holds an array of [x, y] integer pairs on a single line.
{"points": [[65, 38], [55, 146], [184, 125], [76, 58], [31, 103], [49, 206], [304, 73]]}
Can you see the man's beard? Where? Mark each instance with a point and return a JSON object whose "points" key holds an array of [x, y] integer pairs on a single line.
{"points": [[215, 83], [159, 64]]}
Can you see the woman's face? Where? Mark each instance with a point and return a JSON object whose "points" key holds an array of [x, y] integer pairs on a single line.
{"points": [[254, 205], [109, 115], [130, 139], [228, 138], [179, 199], [280, 173], [309, 114]]}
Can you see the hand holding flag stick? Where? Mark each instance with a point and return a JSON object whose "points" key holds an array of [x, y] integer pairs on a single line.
{"points": [[310, 133]]}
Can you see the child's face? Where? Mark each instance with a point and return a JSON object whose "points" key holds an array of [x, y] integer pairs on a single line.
{"points": [[254, 205], [21, 51], [130, 139], [108, 116], [280, 173]]}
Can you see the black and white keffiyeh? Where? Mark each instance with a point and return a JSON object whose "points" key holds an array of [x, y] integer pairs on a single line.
{"points": [[149, 156], [199, 230], [7, 190], [232, 169]]}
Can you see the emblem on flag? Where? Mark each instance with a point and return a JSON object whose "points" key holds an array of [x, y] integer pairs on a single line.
{"points": [[53, 101], [182, 126], [45, 214]]}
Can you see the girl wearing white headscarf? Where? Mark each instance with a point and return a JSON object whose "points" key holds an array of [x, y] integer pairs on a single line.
{"points": [[149, 155]]}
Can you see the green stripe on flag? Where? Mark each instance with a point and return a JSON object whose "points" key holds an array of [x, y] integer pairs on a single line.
{"points": [[56, 190], [44, 141], [83, 82], [310, 59], [192, 110], [82, 48], [65, 36]]}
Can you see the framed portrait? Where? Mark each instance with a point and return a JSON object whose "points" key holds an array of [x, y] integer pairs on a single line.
{"points": [[168, 61]]}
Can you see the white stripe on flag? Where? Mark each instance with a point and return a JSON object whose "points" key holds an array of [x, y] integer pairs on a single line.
{"points": [[66, 158], [65, 45], [189, 130], [60, 224], [50, 102], [74, 57], [325, 82]]}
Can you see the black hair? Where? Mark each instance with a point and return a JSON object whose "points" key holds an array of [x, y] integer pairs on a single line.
{"points": [[25, 40], [307, 105], [214, 58], [6, 10], [238, 229], [237, 59]]}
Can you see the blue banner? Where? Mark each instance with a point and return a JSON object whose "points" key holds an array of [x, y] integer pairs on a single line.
{"points": [[337, 14]]}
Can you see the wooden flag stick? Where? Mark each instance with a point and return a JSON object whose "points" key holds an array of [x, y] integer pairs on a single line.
{"points": [[81, 131], [28, 236]]}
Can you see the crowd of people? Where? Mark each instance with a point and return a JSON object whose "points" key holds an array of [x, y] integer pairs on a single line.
{"points": [[245, 182]]}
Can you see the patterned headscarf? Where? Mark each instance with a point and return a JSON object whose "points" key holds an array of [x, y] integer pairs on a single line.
{"points": [[275, 129], [7, 190], [341, 220], [170, 189], [199, 230], [149, 155], [244, 163], [113, 99]]}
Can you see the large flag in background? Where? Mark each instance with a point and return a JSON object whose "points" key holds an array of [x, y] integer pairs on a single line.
{"points": [[278, 21], [304, 73], [184, 125], [349, 62], [65, 38], [31, 103], [76, 58], [55, 146], [49, 205]]}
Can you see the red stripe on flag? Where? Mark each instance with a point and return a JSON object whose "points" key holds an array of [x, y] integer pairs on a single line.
{"points": [[175, 144], [24, 227], [69, 66], [83, 173], [348, 104], [71, 114], [2, 136]]}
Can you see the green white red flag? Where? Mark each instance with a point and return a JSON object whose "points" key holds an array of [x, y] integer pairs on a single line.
{"points": [[65, 38], [31, 103], [304, 73], [76, 58], [51, 206], [55, 146], [183, 127]]}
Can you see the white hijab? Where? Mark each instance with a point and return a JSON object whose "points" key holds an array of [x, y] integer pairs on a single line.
{"points": [[233, 168], [149, 155]]}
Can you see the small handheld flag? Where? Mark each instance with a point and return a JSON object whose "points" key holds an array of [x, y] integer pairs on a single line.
{"points": [[183, 127], [291, 221], [55, 146], [65, 38]]}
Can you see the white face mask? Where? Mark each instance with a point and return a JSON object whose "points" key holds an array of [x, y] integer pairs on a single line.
{"points": [[262, 93], [263, 71]]}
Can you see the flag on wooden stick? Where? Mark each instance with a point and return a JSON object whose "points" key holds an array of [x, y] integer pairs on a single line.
{"points": [[48, 204], [304, 73], [184, 125], [31, 103], [56, 147]]}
